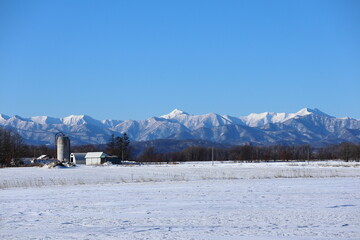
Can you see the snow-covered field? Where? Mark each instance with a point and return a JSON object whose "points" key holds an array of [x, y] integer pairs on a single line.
{"points": [[85, 175], [318, 200]]}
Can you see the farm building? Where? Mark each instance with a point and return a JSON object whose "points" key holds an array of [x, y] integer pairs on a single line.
{"points": [[78, 158], [95, 158]]}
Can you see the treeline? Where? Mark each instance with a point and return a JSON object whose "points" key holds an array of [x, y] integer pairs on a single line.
{"points": [[344, 151], [12, 148]]}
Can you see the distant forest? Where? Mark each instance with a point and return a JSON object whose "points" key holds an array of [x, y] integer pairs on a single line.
{"points": [[344, 151], [12, 147]]}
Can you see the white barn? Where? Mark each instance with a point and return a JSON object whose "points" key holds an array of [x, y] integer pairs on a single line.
{"points": [[78, 158], [95, 158]]}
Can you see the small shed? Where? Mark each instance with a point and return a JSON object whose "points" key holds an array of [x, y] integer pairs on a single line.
{"points": [[95, 158], [78, 158]]}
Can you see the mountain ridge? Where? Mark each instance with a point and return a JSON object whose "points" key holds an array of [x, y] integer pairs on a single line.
{"points": [[307, 126]]}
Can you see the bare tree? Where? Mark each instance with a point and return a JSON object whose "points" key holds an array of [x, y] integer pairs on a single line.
{"points": [[119, 146], [11, 147]]}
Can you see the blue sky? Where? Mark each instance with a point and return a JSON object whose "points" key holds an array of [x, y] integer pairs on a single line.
{"points": [[137, 59]]}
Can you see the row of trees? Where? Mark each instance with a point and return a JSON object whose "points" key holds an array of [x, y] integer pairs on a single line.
{"points": [[12, 147], [345, 151]]}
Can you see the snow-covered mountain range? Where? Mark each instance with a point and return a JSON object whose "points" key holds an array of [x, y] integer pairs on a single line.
{"points": [[307, 126]]}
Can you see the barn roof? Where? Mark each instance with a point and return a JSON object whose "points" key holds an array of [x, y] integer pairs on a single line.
{"points": [[96, 155]]}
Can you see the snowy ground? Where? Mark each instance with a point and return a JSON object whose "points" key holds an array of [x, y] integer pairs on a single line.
{"points": [[185, 201], [85, 175]]}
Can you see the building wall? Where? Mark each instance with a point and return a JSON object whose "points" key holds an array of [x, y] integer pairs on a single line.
{"points": [[78, 158], [94, 161], [80, 161]]}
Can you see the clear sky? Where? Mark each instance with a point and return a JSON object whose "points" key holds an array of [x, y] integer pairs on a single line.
{"points": [[136, 59]]}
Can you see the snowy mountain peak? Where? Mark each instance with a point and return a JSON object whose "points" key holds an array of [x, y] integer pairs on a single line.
{"points": [[308, 111], [4, 117], [174, 113], [73, 119], [304, 112], [79, 119]]}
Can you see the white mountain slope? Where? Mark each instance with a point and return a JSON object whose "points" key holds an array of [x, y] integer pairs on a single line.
{"points": [[305, 126], [80, 120], [149, 129], [194, 122], [42, 129], [3, 118], [260, 119], [46, 120], [111, 123]]}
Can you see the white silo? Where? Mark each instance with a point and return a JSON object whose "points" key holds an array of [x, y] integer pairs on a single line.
{"points": [[63, 147]]}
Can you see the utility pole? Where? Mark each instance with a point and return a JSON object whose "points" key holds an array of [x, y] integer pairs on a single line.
{"points": [[212, 156], [308, 153], [122, 151]]}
